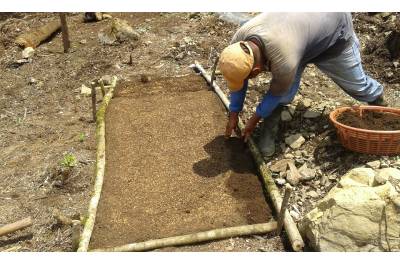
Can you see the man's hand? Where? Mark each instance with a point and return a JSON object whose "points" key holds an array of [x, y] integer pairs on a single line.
{"points": [[250, 126], [232, 123]]}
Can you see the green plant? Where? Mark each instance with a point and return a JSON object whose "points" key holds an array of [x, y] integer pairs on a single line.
{"points": [[68, 161], [81, 137]]}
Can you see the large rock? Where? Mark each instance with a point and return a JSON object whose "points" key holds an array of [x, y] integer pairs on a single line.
{"points": [[356, 215], [295, 140]]}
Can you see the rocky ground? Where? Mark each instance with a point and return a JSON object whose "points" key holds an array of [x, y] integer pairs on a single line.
{"points": [[47, 135]]}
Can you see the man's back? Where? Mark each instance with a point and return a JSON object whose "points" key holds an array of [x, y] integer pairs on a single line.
{"points": [[291, 39]]}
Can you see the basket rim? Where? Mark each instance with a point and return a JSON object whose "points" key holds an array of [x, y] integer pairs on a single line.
{"points": [[341, 109]]}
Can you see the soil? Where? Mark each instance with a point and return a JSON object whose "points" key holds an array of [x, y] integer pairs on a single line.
{"points": [[370, 120], [169, 170]]}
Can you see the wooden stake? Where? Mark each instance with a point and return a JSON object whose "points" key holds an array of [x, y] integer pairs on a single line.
{"points": [[290, 226], [213, 70], [93, 87], [285, 202], [195, 238], [103, 90], [10, 228], [65, 34]]}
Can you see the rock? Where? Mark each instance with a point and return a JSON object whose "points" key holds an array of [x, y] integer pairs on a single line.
{"points": [[295, 140], [310, 114], [32, 81], [298, 153], [83, 41], [312, 194], [106, 38], [123, 31], [285, 116], [358, 177], [120, 31], [280, 165], [307, 173], [28, 52], [292, 178], [307, 102], [374, 164], [388, 174], [86, 91], [292, 110], [296, 216], [289, 156], [280, 181], [355, 217]]}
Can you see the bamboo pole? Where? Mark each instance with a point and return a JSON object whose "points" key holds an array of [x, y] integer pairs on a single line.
{"points": [[215, 234], [100, 166], [273, 191], [10, 228], [35, 37]]}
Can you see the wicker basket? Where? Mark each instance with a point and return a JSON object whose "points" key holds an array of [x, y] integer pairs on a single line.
{"points": [[367, 141]]}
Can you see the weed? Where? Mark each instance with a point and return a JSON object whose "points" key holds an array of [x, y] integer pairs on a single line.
{"points": [[68, 161], [81, 137]]}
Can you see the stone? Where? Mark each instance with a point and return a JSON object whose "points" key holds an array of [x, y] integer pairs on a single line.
{"points": [[296, 216], [28, 52], [32, 81], [280, 165], [292, 178], [374, 164], [292, 110], [307, 173], [307, 102], [86, 91], [280, 181], [83, 41], [285, 116], [288, 156], [311, 114], [357, 217], [312, 194], [106, 38], [388, 174], [358, 177], [123, 31], [295, 140]]}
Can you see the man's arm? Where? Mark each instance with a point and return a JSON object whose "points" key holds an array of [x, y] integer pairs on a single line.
{"points": [[237, 98], [235, 106]]}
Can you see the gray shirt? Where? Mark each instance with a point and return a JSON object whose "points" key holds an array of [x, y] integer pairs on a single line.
{"points": [[290, 40]]}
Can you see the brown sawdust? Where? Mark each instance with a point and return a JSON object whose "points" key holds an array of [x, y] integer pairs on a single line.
{"points": [[370, 120], [169, 170]]}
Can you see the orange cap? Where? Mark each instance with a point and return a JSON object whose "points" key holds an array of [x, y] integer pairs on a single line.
{"points": [[235, 65]]}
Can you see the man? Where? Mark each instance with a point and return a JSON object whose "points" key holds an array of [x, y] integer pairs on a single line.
{"points": [[283, 44]]}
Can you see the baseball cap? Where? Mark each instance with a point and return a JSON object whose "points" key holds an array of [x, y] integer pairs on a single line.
{"points": [[236, 64]]}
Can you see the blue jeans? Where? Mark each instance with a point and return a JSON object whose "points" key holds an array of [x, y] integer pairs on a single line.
{"points": [[347, 72]]}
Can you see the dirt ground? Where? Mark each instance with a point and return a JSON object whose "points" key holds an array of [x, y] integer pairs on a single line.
{"points": [[169, 170], [45, 120]]}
